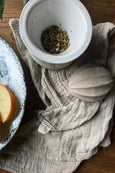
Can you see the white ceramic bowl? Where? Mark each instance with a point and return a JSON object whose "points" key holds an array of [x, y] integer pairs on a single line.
{"points": [[38, 15]]}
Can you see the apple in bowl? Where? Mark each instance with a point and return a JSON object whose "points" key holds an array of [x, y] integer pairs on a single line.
{"points": [[7, 103]]}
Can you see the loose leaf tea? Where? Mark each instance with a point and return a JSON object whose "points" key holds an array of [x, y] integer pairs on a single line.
{"points": [[55, 40]]}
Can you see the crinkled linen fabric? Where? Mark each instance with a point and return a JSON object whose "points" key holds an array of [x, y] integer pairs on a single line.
{"points": [[69, 130]]}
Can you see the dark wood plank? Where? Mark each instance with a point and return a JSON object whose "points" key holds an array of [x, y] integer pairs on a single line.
{"points": [[100, 11], [3, 171]]}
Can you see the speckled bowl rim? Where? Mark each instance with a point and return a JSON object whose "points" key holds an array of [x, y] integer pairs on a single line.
{"points": [[25, 93]]}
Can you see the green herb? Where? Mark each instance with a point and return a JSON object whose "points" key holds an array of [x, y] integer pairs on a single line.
{"points": [[55, 40], [25, 1], [1, 8]]}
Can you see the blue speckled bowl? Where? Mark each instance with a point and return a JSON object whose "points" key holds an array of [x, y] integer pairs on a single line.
{"points": [[11, 75]]}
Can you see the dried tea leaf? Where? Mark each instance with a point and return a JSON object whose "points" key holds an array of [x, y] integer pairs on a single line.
{"points": [[55, 40]]}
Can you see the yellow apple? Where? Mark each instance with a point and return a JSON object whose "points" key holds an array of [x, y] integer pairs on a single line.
{"points": [[7, 103]]}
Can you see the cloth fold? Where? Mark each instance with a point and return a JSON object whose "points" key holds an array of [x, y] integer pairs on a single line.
{"points": [[67, 132]]}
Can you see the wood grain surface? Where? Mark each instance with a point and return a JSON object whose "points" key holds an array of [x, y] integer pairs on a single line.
{"points": [[100, 11]]}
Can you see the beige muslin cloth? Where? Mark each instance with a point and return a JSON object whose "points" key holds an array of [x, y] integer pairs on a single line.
{"points": [[69, 130]]}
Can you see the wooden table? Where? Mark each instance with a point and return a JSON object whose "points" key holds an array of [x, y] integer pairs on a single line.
{"points": [[100, 11]]}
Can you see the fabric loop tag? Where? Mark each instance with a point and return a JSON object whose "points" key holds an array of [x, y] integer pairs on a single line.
{"points": [[44, 127]]}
